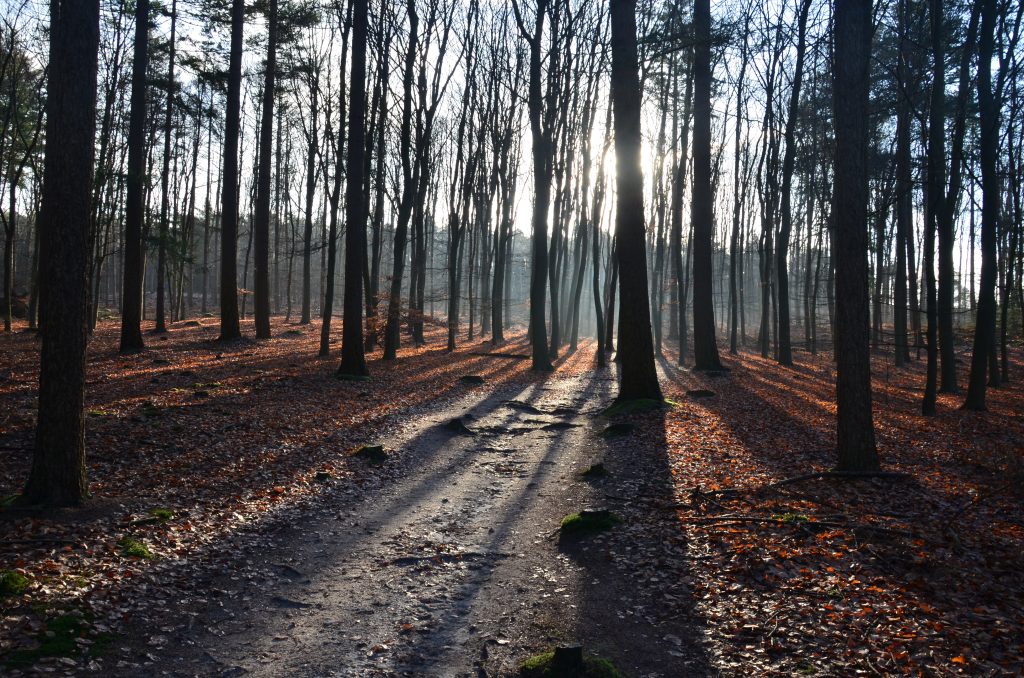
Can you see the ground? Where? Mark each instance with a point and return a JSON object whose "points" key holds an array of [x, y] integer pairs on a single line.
{"points": [[233, 532]]}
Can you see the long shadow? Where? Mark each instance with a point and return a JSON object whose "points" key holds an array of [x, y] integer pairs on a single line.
{"points": [[779, 429], [393, 511], [635, 605]]}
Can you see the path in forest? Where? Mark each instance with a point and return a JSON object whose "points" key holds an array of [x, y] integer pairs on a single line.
{"points": [[452, 566]]}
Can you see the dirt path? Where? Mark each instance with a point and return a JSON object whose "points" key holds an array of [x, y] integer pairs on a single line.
{"points": [[451, 565]]}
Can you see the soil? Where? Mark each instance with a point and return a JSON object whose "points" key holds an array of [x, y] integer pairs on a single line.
{"points": [[449, 562]]}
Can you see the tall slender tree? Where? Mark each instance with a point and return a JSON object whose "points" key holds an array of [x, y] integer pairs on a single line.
{"points": [[353, 358], [131, 304], [985, 327], [261, 214], [229, 325], [705, 347]]}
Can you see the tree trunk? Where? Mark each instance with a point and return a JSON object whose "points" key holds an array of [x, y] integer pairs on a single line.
{"points": [[705, 349], [639, 378], [984, 333], [58, 461], [229, 327], [131, 305], [851, 81], [353, 359], [785, 349]]}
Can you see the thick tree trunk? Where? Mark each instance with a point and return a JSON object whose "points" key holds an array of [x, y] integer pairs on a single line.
{"points": [[851, 81], [639, 378], [58, 462]]}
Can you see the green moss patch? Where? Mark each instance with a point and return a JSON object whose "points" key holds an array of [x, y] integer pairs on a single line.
{"points": [[597, 470], [161, 514], [588, 521], [206, 385], [790, 517], [543, 666], [12, 583], [60, 640], [132, 548]]}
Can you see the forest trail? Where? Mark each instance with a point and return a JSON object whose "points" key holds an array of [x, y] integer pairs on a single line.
{"points": [[452, 565]]}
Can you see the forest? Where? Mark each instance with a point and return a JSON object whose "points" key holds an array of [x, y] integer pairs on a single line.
{"points": [[530, 338]]}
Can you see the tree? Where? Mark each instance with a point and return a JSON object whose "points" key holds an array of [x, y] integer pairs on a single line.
{"points": [[165, 179], [261, 215], [705, 348], [353, 359], [639, 378], [409, 188], [131, 306], [851, 82], [784, 353], [985, 329], [540, 133], [229, 326], [58, 462]]}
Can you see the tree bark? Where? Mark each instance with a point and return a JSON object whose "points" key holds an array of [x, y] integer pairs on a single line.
{"points": [[705, 348], [639, 378], [229, 326], [58, 475], [353, 359], [851, 81], [131, 304]]}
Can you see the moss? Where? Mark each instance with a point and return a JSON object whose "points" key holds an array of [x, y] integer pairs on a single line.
{"points": [[59, 640], [625, 408], [161, 514], [374, 454], [790, 517], [588, 522], [132, 548], [205, 385], [540, 666], [597, 470], [99, 413], [12, 583]]}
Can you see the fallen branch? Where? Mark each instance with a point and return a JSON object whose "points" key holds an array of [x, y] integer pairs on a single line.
{"points": [[848, 475], [800, 523]]}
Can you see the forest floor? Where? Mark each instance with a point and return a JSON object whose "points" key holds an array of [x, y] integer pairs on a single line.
{"points": [[231, 532]]}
